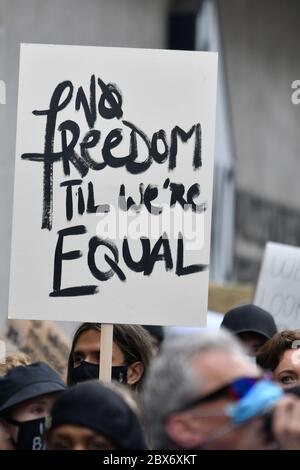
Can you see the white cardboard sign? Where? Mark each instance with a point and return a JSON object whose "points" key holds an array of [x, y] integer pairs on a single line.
{"points": [[113, 185], [278, 288]]}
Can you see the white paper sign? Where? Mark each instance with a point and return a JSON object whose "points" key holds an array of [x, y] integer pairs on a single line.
{"points": [[113, 185], [278, 288]]}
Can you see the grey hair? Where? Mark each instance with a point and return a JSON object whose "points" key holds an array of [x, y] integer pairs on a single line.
{"points": [[171, 380]]}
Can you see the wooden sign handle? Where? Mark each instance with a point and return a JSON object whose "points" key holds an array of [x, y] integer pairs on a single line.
{"points": [[106, 345]]}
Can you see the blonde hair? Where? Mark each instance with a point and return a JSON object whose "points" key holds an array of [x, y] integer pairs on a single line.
{"points": [[12, 361]]}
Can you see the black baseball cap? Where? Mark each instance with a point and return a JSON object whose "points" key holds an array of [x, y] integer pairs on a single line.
{"points": [[94, 406], [250, 318], [23, 383]]}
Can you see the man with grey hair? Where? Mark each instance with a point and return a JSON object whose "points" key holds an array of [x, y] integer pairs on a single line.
{"points": [[202, 392]]}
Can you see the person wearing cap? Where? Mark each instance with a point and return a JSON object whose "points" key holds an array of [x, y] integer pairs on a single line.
{"points": [[26, 396], [251, 324], [93, 416]]}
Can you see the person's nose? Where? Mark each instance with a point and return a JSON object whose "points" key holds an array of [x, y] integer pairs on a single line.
{"points": [[79, 446], [91, 358]]}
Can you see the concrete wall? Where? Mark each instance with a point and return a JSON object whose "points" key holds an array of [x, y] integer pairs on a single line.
{"points": [[131, 23], [261, 41]]}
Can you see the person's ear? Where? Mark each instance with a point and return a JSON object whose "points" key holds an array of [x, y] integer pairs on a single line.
{"points": [[135, 372], [181, 431], [6, 434], [5, 427]]}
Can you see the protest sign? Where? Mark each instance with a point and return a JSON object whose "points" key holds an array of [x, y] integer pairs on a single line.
{"points": [[278, 287], [113, 185]]}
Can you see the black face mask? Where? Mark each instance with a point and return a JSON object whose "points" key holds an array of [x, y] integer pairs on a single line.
{"points": [[30, 434], [87, 371]]}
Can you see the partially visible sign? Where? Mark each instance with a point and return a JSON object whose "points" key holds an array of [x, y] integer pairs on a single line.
{"points": [[2, 92], [278, 287], [2, 352], [41, 341]]}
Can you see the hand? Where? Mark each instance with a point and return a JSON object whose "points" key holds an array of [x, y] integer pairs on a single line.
{"points": [[286, 423]]}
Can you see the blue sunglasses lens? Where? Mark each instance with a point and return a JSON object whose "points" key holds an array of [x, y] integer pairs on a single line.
{"points": [[241, 387]]}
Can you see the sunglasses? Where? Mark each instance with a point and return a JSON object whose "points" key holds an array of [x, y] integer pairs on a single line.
{"points": [[235, 390]]}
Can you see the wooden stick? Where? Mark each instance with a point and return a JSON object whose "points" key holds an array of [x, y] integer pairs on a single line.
{"points": [[106, 345]]}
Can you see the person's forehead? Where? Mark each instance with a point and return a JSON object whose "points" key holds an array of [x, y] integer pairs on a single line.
{"points": [[89, 341], [89, 337], [77, 432], [217, 368], [290, 360], [41, 399]]}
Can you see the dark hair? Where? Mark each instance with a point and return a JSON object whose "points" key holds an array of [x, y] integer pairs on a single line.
{"points": [[270, 354], [155, 331], [133, 340], [99, 407]]}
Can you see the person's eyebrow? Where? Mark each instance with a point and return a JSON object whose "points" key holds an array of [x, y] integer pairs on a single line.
{"points": [[77, 351], [83, 349], [287, 371], [38, 402]]}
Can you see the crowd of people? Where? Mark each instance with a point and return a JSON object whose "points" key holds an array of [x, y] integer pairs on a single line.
{"points": [[236, 388]]}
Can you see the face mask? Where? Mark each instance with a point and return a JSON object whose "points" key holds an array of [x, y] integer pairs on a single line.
{"points": [[260, 398], [30, 434], [214, 436], [87, 371]]}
